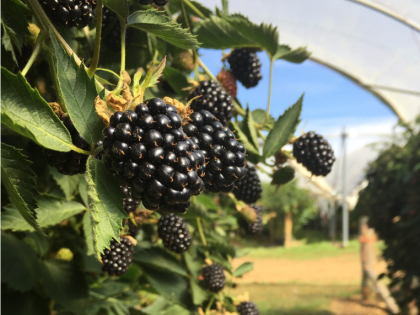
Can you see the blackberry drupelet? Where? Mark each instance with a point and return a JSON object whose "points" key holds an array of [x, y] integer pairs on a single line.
{"points": [[174, 233], [214, 99], [111, 30], [70, 13], [69, 163], [130, 204], [225, 156], [228, 81], [256, 226], [117, 259], [133, 229], [245, 66], [148, 149], [249, 188], [315, 153], [214, 277], [247, 308]]}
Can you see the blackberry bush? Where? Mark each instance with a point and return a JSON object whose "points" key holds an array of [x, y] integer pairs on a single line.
{"points": [[70, 13], [214, 277], [214, 99], [247, 308], [249, 188], [174, 233], [69, 163], [245, 66], [256, 226], [315, 153], [228, 81], [225, 155], [117, 260], [147, 148]]}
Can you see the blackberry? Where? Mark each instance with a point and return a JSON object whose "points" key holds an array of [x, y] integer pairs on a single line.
{"points": [[69, 163], [148, 149], [256, 226], [111, 30], [174, 233], [245, 66], [228, 81], [130, 204], [70, 13], [224, 155], [315, 153], [159, 3], [214, 99], [183, 61], [249, 188], [214, 277], [133, 229], [247, 308], [117, 259]]}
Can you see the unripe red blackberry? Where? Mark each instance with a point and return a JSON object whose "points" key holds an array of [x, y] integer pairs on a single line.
{"points": [[70, 13], [148, 149], [247, 308], [315, 153], [214, 277], [214, 99], [245, 66], [228, 81], [183, 61], [225, 156], [249, 188], [111, 30], [117, 260], [256, 226], [69, 163], [174, 233]]}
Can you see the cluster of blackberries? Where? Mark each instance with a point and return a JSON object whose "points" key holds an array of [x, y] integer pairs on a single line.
{"points": [[70, 12], [245, 66], [174, 233], [224, 154], [111, 30], [69, 163], [247, 308], [228, 81], [256, 226], [213, 97], [117, 259], [249, 188], [159, 3], [214, 277], [315, 153], [148, 149]]}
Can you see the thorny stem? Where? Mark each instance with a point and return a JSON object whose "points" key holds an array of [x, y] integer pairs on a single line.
{"points": [[267, 114], [200, 230], [210, 304], [38, 43], [188, 3], [122, 68], [95, 60]]}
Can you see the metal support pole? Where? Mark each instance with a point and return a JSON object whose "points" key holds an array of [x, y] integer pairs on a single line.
{"points": [[344, 192]]}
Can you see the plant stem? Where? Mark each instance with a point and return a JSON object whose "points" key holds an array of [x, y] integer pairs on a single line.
{"points": [[122, 67], [267, 114], [261, 135], [201, 15], [38, 43], [210, 304], [107, 70], [200, 230], [184, 13], [95, 60]]}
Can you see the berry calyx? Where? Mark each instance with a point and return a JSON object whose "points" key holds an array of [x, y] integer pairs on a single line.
{"points": [[214, 278], [174, 233], [249, 188], [245, 66], [117, 260]]}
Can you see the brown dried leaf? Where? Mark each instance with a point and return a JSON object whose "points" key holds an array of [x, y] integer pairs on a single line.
{"points": [[116, 102], [102, 110], [57, 109]]}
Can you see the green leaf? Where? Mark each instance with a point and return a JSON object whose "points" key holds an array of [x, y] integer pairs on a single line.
{"points": [[78, 92], [222, 247], [19, 181], [193, 264], [199, 293], [164, 27], [65, 283], [249, 128], [158, 259], [106, 210], [283, 175], [201, 8], [11, 219], [244, 139], [68, 184], [156, 307], [27, 113], [259, 118], [243, 269], [19, 264], [297, 55], [118, 6], [177, 80], [283, 129]]}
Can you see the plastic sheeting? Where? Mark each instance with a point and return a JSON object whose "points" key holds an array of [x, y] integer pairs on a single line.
{"points": [[378, 52]]}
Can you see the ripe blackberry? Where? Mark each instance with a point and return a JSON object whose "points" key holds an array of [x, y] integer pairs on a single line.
{"points": [[159, 3], [228, 81], [214, 277], [111, 30], [174, 233], [70, 13], [133, 229], [130, 204], [117, 259], [245, 66], [225, 156], [247, 308], [249, 188], [148, 149], [69, 163], [214, 99], [256, 226], [315, 153]]}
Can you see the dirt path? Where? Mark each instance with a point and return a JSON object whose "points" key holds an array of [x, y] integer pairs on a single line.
{"points": [[355, 306]]}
